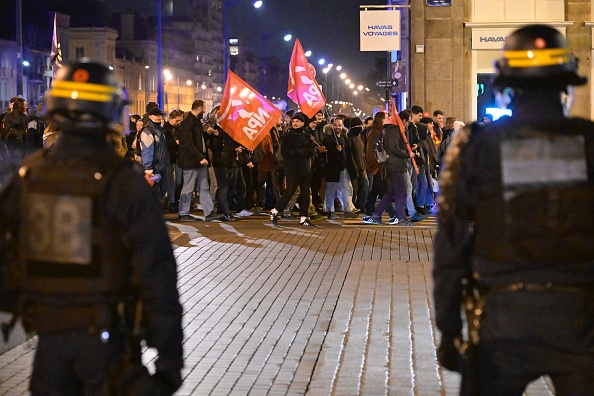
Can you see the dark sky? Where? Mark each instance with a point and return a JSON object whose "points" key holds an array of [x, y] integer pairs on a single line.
{"points": [[329, 28]]}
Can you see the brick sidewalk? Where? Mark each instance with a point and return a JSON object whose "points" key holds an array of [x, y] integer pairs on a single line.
{"points": [[300, 310]]}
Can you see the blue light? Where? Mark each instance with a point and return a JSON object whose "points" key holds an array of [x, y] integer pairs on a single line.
{"points": [[322, 61], [308, 53], [26, 63], [258, 4]]}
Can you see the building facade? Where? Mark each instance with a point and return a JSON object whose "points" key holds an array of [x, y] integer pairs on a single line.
{"points": [[452, 49]]}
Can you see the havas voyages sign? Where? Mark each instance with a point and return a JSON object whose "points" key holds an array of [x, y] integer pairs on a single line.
{"points": [[380, 30]]}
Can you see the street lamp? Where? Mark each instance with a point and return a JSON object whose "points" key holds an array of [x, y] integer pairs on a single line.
{"points": [[322, 61], [258, 4], [307, 54], [288, 37]]}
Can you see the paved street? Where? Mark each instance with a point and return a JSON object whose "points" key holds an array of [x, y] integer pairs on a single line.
{"points": [[337, 309]]}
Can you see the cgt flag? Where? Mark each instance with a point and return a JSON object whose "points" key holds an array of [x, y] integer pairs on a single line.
{"points": [[245, 114], [303, 88], [56, 52]]}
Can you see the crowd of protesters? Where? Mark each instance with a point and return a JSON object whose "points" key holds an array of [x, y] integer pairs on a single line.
{"points": [[319, 166]]}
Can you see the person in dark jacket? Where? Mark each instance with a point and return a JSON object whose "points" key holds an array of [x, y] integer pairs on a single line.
{"points": [[174, 177], [225, 156], [356, 157], [335, 165], [297, 150], [110, 266], [193, 160]]}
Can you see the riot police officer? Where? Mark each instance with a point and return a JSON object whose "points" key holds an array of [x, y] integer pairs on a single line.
{"points": [[516, 218], [85, 247]]}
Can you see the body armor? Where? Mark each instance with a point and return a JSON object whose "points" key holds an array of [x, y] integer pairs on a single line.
{"points": [[71, 270], [535, 202]]}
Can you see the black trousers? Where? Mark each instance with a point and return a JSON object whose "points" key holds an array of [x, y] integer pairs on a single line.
{"points": [[293, 181], [74, 363], [525, 335]]}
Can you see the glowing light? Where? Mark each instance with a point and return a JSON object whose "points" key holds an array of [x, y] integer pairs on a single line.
{"points": [[308, 53], [258, 4], [343, 76], [288, 37]]}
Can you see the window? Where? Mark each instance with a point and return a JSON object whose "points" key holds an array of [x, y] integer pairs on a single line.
{"points": [[518, 10], [80, 52]]}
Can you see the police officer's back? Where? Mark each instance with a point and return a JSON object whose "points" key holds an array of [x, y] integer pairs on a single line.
{"points": [[87, 251], [517, 217]]}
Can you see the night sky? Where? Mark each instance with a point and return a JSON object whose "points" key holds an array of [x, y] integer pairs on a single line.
{"points": [[329, 28]]}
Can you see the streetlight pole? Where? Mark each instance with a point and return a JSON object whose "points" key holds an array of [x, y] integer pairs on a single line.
{"points": [[159, 57], [19, 38]]}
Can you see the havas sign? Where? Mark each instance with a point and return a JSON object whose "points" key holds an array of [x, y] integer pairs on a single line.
{"points": [[380, 30], [489, 38]]}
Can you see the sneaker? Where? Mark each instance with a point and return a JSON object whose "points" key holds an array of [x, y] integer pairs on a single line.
{"points": [[306, 223], [274, 218], [229, 217], [244, 213], [187, 218], [377, 220], [393, 220], [367, 220], [286, 214], [417, 217], [213, 216], [332, 216], [404, 223], [351, 215]]}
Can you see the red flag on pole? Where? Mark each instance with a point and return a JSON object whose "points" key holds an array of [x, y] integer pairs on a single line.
{"points": [[56, 52], [303, 88], [395, 120], [245, 114]]}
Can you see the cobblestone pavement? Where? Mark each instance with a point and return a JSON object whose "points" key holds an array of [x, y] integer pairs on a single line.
{"points": [[337, 309]]}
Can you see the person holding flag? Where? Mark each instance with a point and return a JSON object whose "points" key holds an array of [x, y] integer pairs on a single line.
{"points": [[396, 168], [297, 149]]}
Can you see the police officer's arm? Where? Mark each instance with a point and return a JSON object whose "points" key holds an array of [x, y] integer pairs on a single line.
{"points": [[453, 246], [138, 215]]}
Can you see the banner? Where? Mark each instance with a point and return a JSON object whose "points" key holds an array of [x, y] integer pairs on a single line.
{"points": [[245, 114], [56, 52], [380, 30], [303, 88]]}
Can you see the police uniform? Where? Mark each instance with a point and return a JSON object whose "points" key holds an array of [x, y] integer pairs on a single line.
{"points": [[517, 216], [87, 250]]}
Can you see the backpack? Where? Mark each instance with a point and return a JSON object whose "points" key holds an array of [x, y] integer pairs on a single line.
{"points": [[378, 144]]}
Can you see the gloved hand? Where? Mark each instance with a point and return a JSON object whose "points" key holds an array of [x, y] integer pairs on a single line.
{"points": [[449, 354], [168, 381]]}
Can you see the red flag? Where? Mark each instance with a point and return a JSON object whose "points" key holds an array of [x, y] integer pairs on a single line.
{"points": [[56, 52], [245, 114], [395, 120], [303, 88]]}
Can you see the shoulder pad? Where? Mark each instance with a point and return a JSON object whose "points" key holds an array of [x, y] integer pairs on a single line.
{"points": [[451, 172]]}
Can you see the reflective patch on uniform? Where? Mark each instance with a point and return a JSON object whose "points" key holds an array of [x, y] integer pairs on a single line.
{"points": [[57, 229], [535, 163]]}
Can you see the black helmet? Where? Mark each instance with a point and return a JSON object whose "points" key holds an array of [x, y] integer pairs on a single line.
{"points": [[536, 56], [85, 96]]}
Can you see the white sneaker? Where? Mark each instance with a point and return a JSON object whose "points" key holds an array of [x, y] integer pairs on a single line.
{"points": [[244, 213]]}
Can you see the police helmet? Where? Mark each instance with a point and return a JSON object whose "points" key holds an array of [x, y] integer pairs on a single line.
{"points": [[536, 56], [85, 96]]}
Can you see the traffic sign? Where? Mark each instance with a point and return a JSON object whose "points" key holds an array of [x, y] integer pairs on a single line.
{"points": [[387, 83]]}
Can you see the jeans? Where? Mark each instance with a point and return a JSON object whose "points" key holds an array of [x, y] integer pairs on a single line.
{"points": [[191, 176], [361, 190]]}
